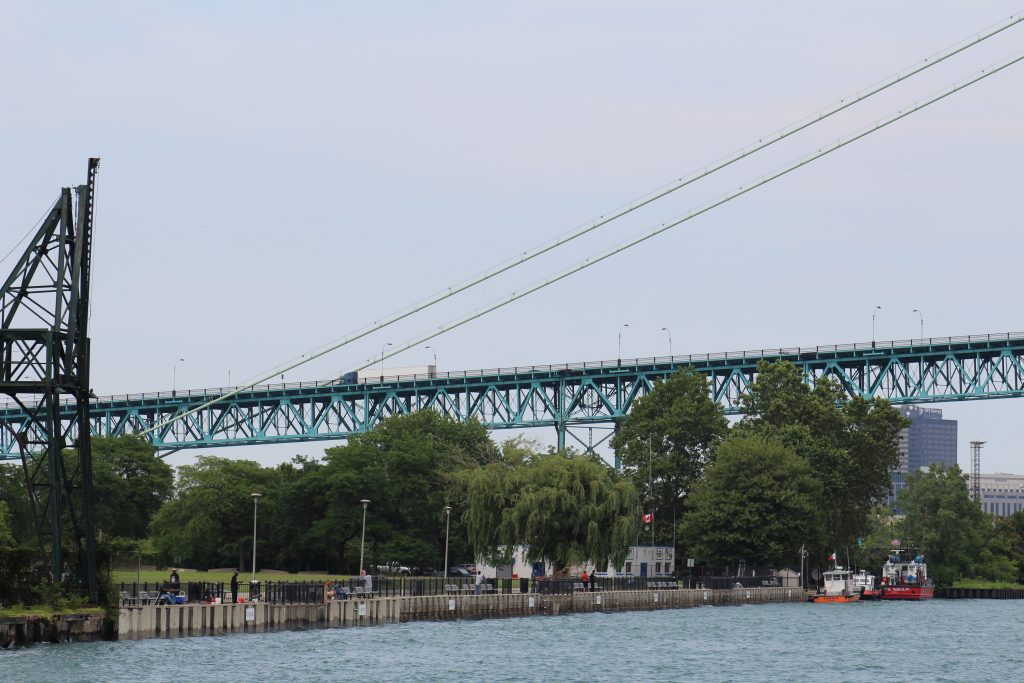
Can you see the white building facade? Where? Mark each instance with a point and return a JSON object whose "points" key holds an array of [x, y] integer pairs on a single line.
{"points": [[1001, 494]]}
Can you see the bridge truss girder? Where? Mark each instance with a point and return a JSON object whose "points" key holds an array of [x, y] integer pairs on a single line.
{"points": [[564, 397]]}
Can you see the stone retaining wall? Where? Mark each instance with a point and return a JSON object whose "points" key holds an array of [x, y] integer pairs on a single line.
{"points": [[981, 593], [19, 631]]}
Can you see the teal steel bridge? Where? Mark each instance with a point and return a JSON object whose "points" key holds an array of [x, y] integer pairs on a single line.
{"points": [[561, 396]]}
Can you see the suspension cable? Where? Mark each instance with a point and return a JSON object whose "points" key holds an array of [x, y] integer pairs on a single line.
{"points": [[593, 260], [665, 190]]}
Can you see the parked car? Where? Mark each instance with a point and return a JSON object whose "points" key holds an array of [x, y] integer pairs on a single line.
{"points": [[458, 571], [393, 568]]}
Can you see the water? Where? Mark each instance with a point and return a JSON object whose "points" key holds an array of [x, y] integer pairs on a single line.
{"points": [[940, 640]]}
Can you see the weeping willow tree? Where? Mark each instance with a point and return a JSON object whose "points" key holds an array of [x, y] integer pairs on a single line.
{"points": [[563, 510]]}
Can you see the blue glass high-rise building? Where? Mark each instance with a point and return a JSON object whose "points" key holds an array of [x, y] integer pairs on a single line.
{"points": [[930, 439]]}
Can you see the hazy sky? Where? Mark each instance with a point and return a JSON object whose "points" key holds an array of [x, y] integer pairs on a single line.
{"points": [[276, 175]]}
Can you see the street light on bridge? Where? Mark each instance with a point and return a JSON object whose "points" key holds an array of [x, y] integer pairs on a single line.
{"points": [[921, 316], [382, 364], [624, 326], [434, 351], [174, 377], [873, 314], [665, 329]]}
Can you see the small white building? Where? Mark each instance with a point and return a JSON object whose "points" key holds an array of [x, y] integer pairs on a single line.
{"points": [[641, 560], [647, 560]]}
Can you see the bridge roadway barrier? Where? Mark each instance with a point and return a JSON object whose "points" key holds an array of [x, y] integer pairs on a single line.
{"points": [[171, 621]]}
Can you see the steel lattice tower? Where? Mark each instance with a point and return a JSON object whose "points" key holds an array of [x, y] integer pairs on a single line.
{"points": [[44, 364], [976, 470]]}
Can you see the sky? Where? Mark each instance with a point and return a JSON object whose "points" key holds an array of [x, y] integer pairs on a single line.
{"points": [[277, 175]]}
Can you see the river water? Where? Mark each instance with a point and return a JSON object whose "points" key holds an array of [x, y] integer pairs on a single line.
{"points": [[939, 640]]}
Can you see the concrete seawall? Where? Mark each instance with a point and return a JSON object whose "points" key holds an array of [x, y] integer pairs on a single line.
{"points": [[66, 628], [171, 621]]}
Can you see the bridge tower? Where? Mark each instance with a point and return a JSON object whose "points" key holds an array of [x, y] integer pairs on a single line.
{"points": [[44, 363]]}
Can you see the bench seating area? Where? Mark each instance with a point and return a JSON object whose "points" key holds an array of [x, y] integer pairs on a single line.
{"points": [[468, 588]]}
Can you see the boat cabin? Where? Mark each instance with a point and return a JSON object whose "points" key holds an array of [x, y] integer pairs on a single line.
{"points": [[838, 581]]}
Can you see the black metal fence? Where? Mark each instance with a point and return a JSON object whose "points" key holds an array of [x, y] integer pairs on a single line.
{"points": [[723, 582], [294, 592], [276, 592]]}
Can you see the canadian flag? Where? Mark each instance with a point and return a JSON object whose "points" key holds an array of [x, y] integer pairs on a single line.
{"points": [[648, 518], [832, 557]]}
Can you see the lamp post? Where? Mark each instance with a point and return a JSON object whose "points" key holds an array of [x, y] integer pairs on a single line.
{"points": [[873, 314], [624, 326], [921, 316], [447, 526], [669, 332], [362, 539], [435, 355], [255, 505], [382, 360], [174, 377]]}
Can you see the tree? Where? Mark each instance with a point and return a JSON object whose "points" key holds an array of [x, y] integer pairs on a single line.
{"points": [[209, 521], [759, 502], [15, 496], [667, 440], [851, 445], [943, 522], [1010, 531], [6, 534], [563, 510], [405, 467], [130, 485]]}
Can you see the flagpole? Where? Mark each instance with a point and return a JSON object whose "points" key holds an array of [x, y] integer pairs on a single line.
{"points": [[650, 486]]}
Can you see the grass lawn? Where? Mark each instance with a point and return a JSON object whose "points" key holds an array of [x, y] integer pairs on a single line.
{"points": [[44, 611]]}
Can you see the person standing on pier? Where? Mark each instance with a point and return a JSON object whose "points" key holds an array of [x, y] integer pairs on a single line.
{"points": [[234, 588], [367, 580]]}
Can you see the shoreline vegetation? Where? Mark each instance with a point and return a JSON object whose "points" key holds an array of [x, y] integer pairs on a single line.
{"points": [[804, 475]]}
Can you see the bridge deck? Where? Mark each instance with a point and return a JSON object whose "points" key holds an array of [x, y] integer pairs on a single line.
{"points": [[574, 394]]}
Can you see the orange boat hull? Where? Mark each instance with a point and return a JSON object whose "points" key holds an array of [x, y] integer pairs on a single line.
{"points": [[836, 598]]}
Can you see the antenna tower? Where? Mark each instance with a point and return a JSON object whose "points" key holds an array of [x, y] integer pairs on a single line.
{"points": [[976, 470]]}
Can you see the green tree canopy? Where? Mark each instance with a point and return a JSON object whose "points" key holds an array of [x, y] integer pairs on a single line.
{"points": [[6, 534], [209, 521], [1010, 531], [13, 493], [851, 445], [759, 502], [563, 510], [130, 484], [943, 522], [667, 440], [405, 468]]}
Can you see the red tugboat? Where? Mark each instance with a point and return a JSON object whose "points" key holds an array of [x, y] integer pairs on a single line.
{"points": [[904, 579]]}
